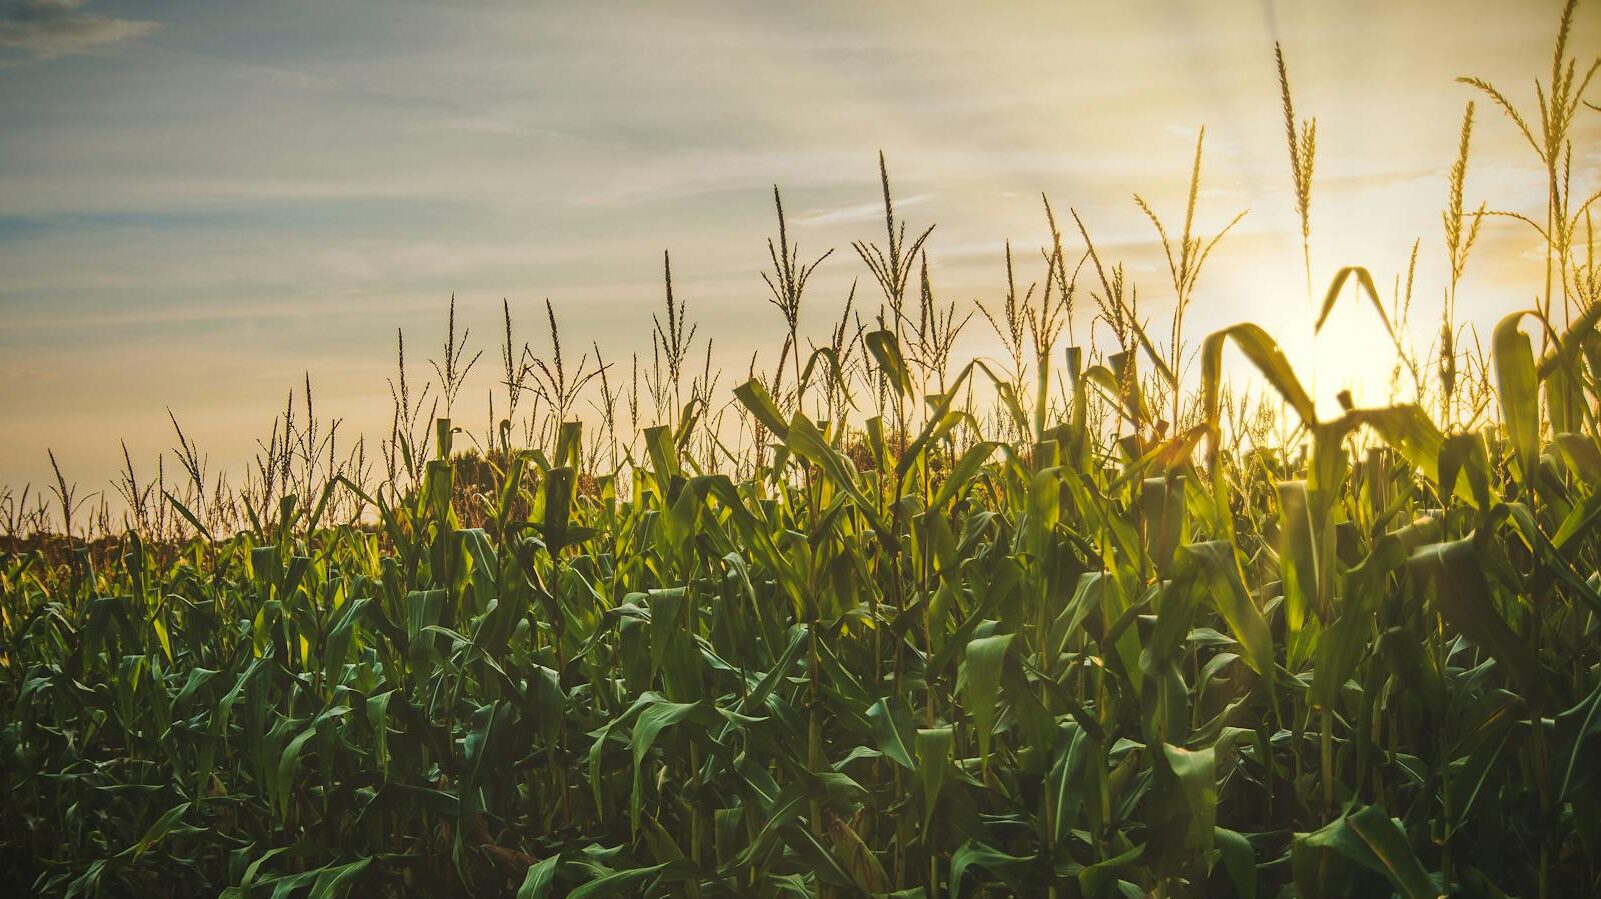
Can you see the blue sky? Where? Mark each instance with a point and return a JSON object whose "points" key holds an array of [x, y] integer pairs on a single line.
{"points": [[201, 202]]}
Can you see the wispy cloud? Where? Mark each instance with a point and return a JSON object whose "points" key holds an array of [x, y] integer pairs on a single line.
{"points": [[857, 212], [48, 28]]}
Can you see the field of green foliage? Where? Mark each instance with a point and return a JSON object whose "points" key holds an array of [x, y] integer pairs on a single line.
{"points": [[872, 623]]}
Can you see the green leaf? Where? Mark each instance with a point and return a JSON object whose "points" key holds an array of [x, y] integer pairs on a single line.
{"points": [[981, 671], [1584, 455], [654, 719], [1195, 773], [961, 474], [1220, 570], [1497, 738], [1013, 869], [806, 441], [934, 747], [619, 882], [1239, 859], [760, 403], [159, 830], [1583, 722], [1365, 281], [1264, 353], [336, 880], [1365, 836], [1518, 389], [892, 723], [886, 351], [1463, 596], [1095, 879], [540, 878], [1298, 554]]}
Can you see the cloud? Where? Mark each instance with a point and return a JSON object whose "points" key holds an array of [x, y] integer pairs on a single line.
{"points": [[857, 213], [48, 28]]}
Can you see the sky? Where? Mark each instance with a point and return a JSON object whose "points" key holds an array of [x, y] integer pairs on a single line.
{"points": [[203, 203]]}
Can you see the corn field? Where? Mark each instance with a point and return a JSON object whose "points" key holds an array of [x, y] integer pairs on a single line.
{"points": [[1065, 623]]}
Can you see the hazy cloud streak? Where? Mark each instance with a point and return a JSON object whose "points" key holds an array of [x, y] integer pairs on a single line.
{"points": [[50, 28]]}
